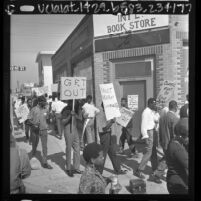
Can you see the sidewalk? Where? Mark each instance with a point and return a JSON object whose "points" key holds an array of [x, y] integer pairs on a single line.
{"points": [[56, 181]]}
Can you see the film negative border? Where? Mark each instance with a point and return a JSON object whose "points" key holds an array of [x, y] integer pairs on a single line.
{"points": [[96, 7]]}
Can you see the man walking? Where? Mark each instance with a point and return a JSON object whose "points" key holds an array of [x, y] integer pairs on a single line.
{"points": [[126, 135], [147, 129], [109, 147], [38, 117], [167, 123]]}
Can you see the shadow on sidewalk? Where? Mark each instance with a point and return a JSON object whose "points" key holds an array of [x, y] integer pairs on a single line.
{"points": [[58, 159], [133, 164]]}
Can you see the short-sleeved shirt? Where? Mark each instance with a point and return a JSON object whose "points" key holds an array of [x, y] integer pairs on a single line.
{"points": [[39, 116], [90, 110], [92, 182], [57, 106]]}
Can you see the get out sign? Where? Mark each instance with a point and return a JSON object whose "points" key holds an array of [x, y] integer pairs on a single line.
{"points": [[73, 88]]}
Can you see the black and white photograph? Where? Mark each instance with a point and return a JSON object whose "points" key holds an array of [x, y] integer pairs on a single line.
{"points": [[99, 103]]}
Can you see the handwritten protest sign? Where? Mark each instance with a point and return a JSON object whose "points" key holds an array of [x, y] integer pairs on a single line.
{"points": [[133, 102], [22, 113], [73, 88], [166, 92], [125, 117], [109, 101], [54, 88], [40, 90]]}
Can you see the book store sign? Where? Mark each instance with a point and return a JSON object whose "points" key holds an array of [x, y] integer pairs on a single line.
{"points": [[111, 24]]}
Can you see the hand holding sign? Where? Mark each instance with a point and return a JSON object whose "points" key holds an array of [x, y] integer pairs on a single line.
{"points": [[125, 117]]}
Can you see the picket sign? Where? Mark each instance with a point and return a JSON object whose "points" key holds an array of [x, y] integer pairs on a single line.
{"points": [[40, 90], [22, 112], [125, 117], [166, 92], [110, 103], [72, 88]]}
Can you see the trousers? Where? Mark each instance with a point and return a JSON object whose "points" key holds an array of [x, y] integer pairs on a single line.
{"points": [[35, 139], [59, 125], [150, 152], [109, 148], [72, 140]]}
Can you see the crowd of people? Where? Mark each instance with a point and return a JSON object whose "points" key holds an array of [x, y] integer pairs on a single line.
{"points": [[75, 122]]}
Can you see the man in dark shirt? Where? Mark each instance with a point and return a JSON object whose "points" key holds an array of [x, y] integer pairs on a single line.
{"points": [[107, 142], [177, 160], [38, 117], [166, 133]]}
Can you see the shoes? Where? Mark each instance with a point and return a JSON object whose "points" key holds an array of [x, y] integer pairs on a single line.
{"points": [[155, 179], [121, 172], [47, 166], [70, 173], [139, 174], [77, 171]]}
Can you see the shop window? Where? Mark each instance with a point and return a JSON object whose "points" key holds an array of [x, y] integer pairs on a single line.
{"points": [[137, 69]]}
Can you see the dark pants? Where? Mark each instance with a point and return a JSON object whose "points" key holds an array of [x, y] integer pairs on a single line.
{"points": [[72, 140], [109, 148], [35, 140], [125, 136], [161, 166], [150, 152], [59, 125], [27, 131]]}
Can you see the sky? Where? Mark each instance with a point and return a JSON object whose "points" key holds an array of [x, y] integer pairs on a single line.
{"points": [[30, 34]]}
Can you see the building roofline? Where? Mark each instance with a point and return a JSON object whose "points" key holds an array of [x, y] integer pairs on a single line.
{"points": [[72, 33], [44, 53]]}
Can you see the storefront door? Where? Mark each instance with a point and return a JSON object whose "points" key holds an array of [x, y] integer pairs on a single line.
{"points": [[136, 88]]}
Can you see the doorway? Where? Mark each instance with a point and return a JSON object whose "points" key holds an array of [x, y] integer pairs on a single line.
{"points": [[137, 88]]}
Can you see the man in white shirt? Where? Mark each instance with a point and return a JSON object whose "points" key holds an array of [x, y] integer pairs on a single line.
{"points": [[89, 113], [57, 107], [148, 125]]}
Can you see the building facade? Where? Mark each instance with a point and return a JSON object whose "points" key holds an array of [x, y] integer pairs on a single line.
{"points": [[45, 69], [136, 53]]}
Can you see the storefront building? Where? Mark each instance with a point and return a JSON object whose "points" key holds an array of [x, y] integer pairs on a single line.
{"points": [[136, 53], [45, 69]]}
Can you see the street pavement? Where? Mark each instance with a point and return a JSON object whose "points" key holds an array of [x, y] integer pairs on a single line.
{"points": [[56, 181]]}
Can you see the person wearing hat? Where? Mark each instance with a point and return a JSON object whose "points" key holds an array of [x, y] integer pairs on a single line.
{"points": [[148, 124], [37, 118], [91, 181], [177, 159]]}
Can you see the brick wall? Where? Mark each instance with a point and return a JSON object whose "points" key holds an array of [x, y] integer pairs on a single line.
{"points": [[168, 61]]}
